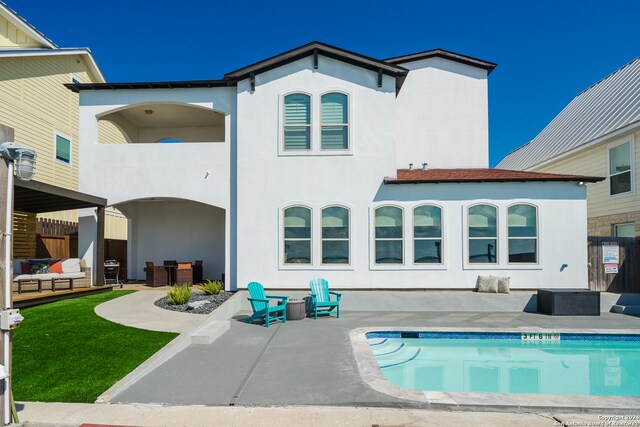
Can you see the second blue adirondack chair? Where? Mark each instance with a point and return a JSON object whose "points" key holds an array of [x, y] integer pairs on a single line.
{"points": [[321, 298], [261, 307]]}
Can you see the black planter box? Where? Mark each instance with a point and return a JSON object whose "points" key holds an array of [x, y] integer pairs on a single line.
{"points": [[569, 302]]}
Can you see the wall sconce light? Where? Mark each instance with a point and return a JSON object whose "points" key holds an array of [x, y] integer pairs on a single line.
{"points": [[24, 159]]}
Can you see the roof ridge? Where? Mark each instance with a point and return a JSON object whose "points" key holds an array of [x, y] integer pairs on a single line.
{"points": [[25, 22], [609, 75]]}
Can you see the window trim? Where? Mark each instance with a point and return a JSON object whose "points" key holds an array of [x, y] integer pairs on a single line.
{"points": [[388, 266], [348, 239], [537, 238], [632, 158], [441, 238], [615, 227], [57, 134], [348, 124], [282, 124], [74, 79], [465, 252], [281, 226]]}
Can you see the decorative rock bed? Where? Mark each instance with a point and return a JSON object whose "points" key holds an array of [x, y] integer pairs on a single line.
{"points": [[199, 303]]}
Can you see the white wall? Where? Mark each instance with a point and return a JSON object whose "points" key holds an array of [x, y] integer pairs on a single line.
{"points": [[175, 230], [267, 180], [562, 239], [442, 116]]}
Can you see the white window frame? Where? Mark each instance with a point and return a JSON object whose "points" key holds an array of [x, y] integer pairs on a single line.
{"points": [[632, 158], [348, 239], [281, 246], [384, 266], [315, 121], [441, 238], [348, 124], [537, 237], [56, 134], [465, 252], [282, 125]]}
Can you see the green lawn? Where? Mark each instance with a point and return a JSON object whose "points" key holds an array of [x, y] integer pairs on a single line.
{"points": [[64, 352]]}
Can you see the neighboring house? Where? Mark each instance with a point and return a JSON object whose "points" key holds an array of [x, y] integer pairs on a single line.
{"points": [[596, 134], [42, 112], [298, 166]]}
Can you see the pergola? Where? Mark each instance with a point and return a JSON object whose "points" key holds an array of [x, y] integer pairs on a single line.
{"points": [[38, 197]]}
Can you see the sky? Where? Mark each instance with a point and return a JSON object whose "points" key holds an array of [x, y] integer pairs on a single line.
{"points": [[547, 51]]}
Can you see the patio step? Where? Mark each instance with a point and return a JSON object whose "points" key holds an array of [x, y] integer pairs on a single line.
{"points": [[209, 331], [632, 310]]}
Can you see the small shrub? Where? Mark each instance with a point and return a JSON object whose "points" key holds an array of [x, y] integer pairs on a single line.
{"points": [[212, 287], [180, 294]]}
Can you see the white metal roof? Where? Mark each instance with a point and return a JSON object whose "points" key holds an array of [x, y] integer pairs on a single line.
{"points": [[607, 106]]}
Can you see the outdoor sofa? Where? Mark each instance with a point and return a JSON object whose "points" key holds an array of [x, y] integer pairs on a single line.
{"points": [[48, 273]]}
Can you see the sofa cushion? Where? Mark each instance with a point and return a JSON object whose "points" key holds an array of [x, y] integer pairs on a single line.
{"points": [[38, 266], [487, 284], [48, 276], [23, 277], [56, 266], [25, 268], [71, 265], [503, 285]]}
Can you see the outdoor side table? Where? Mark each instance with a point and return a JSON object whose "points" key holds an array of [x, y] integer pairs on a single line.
{"points": [[569, 302], [296, 309]]}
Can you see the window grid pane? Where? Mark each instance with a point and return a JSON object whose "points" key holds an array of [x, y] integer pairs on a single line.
{"points": [[523, 234], [427, 251], [335, 235], [523, 251], [297, 122], [483, 234], [388, 235], [334, 117], [297, 235]]}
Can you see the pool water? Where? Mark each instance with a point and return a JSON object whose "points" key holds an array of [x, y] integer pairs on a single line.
{"points": [[574, 364]]}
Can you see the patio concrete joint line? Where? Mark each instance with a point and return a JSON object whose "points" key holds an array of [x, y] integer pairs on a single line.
{"points": [[246, 379]]}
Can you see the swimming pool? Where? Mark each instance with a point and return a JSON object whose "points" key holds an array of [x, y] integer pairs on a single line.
{"points": [[571, 364]]}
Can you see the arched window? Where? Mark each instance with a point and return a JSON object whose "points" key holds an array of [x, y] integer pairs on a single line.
{"points": [[427, 235], [335, 235], [334, 121], [297, 122], [483, 234], [523, 233], [388, 235], [297, 235]]}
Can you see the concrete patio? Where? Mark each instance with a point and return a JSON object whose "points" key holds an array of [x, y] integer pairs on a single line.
{"points": [[311, 362]]}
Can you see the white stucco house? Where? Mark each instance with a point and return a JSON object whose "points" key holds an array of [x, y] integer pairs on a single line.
{"points": [[320, 162]]}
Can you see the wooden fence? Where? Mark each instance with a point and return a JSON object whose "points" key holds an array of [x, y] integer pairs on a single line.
{"points": [[54, 226], [117, 249], [24, 235], [56, 246], [627, 279]]}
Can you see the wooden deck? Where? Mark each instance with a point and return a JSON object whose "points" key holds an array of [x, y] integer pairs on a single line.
{"points": [[30, 298]]}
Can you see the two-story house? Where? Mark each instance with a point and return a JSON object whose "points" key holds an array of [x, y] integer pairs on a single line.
{"points": [[596, 134], [324, 162]]}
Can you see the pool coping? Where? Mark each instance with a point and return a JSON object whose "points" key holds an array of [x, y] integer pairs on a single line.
{"points": [[372, 375]]}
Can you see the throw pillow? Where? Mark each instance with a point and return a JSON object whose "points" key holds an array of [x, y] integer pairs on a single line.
{"points": [[25, 268], [503, 285], [39, 266], [56, 266], [487, 284]]}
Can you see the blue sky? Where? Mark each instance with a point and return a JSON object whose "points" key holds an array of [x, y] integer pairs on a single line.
{"points": [[547, 51]]}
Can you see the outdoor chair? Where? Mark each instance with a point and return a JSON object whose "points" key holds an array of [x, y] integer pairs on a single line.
{"points": [[184, 273], [261, 305], [156, 275], [321, 298]]}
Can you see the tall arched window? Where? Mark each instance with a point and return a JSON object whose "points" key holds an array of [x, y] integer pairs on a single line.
{"points": [[388, 235], [335, 235], [334, 121], [297, 122], [523, 233], [427, 235], [297, 235], [483, 234]]}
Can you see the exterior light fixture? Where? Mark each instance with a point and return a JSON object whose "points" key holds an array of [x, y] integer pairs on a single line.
{"points": [[24, 159]]}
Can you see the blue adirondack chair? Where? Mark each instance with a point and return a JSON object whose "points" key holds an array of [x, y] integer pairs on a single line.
{"points": [[261, 307], [321, 298]]}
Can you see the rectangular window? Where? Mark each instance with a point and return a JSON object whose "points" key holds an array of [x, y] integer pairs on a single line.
{"points": [[483, 234], [334, 121], [297, 235], [63, 149], [335, 235], [620, 169], [388, 235], [523, 234], [427, 235], [297, 122], [624, 230]]}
